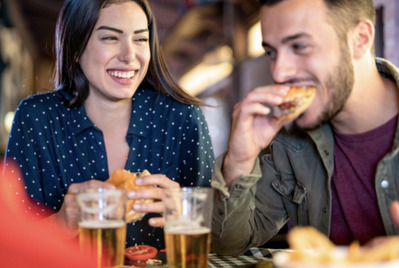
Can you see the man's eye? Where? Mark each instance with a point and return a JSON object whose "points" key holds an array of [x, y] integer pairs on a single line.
{"points": [[300, 47], [271, 54]]}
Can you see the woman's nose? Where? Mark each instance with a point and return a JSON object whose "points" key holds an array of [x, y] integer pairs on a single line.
{"points": [[284, 68], [127, 53]]}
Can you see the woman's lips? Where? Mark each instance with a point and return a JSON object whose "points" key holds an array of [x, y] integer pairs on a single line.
{"points": [[122, 77], [122, 74]]}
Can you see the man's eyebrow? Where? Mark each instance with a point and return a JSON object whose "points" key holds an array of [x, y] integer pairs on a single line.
{"points": [[120, 31], [287, 39]]}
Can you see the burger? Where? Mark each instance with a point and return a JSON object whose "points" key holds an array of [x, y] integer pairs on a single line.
{"points": [[124, 179], [297, 100]]}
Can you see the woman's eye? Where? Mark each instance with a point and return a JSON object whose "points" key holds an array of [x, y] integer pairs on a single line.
{"points": [[105, 38], [142, 39]]}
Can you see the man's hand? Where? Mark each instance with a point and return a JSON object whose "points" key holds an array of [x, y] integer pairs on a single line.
{"points": [[251, 130], [394, 211]]}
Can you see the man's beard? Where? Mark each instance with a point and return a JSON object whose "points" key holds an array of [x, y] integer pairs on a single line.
{"points": [[339, 84]]}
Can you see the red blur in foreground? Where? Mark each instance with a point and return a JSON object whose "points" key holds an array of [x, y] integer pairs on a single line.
{"points": [[30, 243]]}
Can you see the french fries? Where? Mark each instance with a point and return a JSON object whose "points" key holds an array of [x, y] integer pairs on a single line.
{"points": [[310, 246]]}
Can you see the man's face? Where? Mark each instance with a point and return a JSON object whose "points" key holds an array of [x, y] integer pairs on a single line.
{"points": [[304, 50]]}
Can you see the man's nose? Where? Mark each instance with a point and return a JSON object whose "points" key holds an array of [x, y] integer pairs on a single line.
{"points": [[284, 68]]}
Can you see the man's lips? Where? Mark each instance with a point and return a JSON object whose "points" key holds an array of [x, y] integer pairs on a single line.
{"points": [[122, 74]]}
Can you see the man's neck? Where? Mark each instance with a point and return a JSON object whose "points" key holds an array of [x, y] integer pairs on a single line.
{"points": [[373, 101]]}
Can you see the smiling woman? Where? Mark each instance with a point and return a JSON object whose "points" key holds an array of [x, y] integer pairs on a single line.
{"points": [[115, 106], [117, 54]]}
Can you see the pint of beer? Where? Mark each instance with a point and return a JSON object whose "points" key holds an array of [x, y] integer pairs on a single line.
{"points": [[102, 227], [188, 216]]}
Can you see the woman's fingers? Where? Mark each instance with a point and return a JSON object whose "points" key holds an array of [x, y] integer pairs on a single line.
{"points": [[76, 187], [155, 207], [159, 180], [156, 222], [69, 212]]}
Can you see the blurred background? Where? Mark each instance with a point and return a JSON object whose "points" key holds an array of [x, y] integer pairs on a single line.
{"points": [[212, 47]]}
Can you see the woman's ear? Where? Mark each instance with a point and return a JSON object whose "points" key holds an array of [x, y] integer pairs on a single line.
{"points": [[362, 38]]}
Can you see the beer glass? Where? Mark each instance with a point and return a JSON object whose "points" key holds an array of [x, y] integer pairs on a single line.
{"points": [[102, 227], [188, 218]]}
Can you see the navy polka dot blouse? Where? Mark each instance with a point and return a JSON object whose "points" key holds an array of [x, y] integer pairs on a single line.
{"points": [[56, 146]]}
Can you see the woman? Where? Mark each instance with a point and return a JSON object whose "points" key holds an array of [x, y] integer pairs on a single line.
{"points": [[116, 106]]}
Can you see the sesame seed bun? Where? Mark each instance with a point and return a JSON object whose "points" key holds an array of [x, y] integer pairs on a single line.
{"points": [[123, 179]]}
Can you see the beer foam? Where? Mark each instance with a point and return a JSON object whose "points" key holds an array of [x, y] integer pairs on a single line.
{"points": [[187, 230], [94, 224]]}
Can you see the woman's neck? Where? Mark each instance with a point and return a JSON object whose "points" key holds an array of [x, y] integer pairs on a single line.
{"points": [[107, 115]]}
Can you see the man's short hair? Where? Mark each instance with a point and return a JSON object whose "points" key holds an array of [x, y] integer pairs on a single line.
{"points": [[343, 14]]}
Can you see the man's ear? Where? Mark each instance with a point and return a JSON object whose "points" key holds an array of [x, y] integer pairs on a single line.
{"points": [[362, 38]]}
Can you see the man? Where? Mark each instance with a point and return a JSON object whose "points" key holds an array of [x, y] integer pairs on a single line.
{"points": [[336, 167]]}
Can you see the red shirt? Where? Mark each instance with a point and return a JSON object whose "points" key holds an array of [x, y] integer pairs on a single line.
{"points": [[25, 242], [355, 212]]}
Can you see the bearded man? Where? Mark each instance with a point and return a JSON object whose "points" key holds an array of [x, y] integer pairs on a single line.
{"points": [[334, 167]]}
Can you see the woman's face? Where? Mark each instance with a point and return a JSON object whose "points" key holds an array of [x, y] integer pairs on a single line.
{"points": [[116, 58]]}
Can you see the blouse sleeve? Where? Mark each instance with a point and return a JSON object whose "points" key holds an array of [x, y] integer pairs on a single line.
{"points": [[197, 151], [26, 150]]}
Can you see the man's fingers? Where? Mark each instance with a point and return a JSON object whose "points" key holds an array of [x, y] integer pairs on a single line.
{"points": [[394, 211]]}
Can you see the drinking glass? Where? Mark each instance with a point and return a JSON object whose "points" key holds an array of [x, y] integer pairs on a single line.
{"points": [[188, 219], [102, 226]]}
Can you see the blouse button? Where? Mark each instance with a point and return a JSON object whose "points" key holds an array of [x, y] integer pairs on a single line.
{"points": [[384, 184]]}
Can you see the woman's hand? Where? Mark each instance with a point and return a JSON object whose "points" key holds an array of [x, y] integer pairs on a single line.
{"points": [[69, 212], [162, 182]]}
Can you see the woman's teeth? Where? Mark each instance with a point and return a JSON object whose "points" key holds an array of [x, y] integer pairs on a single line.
{"points": [[124, 75]]}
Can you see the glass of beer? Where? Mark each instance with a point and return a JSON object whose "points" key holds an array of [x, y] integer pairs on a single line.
{"points": [[188, 219], [102, 227]]}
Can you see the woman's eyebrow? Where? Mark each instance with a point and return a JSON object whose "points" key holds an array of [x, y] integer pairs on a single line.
{"points": [[109, 29], [118, 30], [141, 31]]}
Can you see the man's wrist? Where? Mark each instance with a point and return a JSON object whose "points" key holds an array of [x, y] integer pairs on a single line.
{"points": [[233, 171]]}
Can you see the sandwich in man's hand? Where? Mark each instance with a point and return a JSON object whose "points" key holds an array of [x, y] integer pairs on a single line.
{"points": [[297, 100]]}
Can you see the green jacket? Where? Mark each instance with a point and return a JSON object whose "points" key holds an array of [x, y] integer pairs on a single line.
{"points": [[292, 183]]}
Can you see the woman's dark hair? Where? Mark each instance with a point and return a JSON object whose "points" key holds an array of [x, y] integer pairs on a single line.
{"points": [[74, 26], [343, 14]]}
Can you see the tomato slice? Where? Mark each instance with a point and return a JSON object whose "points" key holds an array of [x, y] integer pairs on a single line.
{"points": [[140, 252]]}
